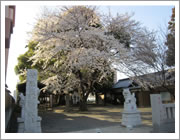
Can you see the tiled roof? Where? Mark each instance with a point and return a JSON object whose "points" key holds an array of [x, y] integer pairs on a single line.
{"points": [[153, 78], [123, 83]]}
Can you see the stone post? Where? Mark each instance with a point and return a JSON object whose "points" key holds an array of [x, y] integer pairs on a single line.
{"points": [[157, 112], [30, 122]]}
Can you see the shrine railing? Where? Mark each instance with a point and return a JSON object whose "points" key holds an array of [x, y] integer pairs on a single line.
{"points": [[163, 115]]}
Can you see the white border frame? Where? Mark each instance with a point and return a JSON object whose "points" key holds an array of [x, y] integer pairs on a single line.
{"points": [[91, 135]]}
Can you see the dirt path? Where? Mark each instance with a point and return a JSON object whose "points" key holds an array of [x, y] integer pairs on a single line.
{"points": [[58, 121]]}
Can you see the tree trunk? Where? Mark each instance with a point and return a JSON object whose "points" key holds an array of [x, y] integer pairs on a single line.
{"points": [[83, 105], [97, 98], [68, 107], [83, 102], [58, 99]]}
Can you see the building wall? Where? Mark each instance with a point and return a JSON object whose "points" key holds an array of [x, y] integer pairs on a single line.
{"points": [[9, 24], [143, 98], [6, 59]]}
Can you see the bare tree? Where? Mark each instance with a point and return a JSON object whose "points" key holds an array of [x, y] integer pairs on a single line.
{"points": [[145, 57]]}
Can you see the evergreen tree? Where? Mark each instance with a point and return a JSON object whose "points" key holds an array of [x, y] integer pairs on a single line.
{"points": [[171, 41]]}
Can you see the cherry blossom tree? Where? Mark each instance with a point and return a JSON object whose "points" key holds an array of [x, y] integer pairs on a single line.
{"points": [[79, 48], [82, 51]]}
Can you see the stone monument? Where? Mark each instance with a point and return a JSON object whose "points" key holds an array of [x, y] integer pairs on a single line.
{"points": [[30, 122], [130, 115]]}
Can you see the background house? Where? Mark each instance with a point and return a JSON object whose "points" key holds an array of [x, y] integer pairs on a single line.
{"points": [[117, 90], [142, 91]]}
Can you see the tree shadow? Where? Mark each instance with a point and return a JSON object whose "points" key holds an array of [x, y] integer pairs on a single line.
{"points": [[53, 122], [60, 123]]}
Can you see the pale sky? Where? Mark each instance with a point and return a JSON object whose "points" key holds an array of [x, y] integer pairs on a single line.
{"points": [[150, 16]]}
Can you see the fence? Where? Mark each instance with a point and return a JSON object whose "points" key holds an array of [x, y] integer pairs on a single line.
{"points": [[163, 115]]}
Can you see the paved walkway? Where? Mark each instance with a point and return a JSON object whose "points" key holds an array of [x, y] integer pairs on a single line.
{"points": [[104, 119], [118, 129]]}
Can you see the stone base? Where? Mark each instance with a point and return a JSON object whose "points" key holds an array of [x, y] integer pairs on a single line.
{"points": [[21, 126], [164, 127], [130, 119]]}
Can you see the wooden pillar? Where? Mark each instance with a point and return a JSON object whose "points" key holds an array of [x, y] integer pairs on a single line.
{"points": [[51, 101], [140, 99]]}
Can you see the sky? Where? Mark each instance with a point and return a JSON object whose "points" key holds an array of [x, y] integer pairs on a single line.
{"points": [[151, 17]]}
